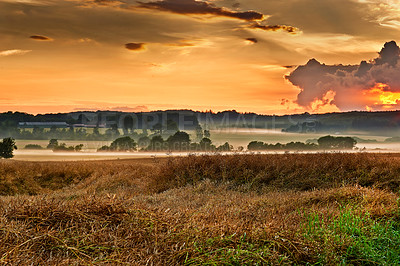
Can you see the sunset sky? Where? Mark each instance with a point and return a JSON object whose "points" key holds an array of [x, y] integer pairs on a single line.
{"points": [[69, 55]]}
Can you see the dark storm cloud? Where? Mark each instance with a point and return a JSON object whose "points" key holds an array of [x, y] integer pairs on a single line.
{"points": [[192, 7], [253, 40], [40, 38], [135, 46], [348, 81], [289, 29]]}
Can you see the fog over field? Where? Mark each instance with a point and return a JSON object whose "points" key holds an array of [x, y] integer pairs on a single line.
{"points": [[235, 136]]}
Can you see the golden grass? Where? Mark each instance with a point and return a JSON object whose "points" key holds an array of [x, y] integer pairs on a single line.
{"points": [[191, 210]]}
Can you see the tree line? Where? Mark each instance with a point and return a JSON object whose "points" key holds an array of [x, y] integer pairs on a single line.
{"points": [[180, 141], [324, 143]]}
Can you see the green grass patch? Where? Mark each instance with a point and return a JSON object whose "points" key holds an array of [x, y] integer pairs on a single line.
{"points": [[352, 238]]}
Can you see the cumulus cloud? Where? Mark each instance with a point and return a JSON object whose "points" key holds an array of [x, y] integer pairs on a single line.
{"points": [[40, 38], [14, 52], [135, 46], [373, 85], [193, 7]]}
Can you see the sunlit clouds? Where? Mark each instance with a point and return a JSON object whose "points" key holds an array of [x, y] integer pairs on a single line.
{"points": [[14, 52], [370, 85]]}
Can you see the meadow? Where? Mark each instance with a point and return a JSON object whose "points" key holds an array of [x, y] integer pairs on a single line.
{"points": [[203, 210]]}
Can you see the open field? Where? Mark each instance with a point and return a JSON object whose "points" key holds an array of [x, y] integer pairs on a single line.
{"points": [[203, 210]]}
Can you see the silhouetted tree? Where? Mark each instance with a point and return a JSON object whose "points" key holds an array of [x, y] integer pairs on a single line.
{"points": [[206, 144], [123, 144], [7, 147], [78, 147], [179, 141], [330, 142], [144, 142], [52, 143], [225, 147], [157, 143], [256, 146]]}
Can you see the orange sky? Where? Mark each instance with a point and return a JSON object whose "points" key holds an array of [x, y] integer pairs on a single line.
{"points": [[66, 55]]}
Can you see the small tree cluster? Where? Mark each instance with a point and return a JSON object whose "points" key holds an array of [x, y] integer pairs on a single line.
{"points": [[296, 146], [7, 147], [330, 142], [55, 146], [326, 142], [180, 141], [121, 144]]}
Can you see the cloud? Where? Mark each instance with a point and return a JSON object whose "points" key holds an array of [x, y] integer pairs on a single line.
{"points": [[112, 3], [135, 46], [106, 2], [181, 43], [40, 38], [289, 29], [136, 109], [139, 108], [193, 7], [289, 66], [373, 85], [252, 40], [14, 52]]}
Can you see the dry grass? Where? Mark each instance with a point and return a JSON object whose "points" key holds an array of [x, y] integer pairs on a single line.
{"points": [[251, 209]]}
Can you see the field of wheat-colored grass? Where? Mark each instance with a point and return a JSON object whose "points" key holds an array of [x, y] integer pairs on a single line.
{"points": [[202, 210]]}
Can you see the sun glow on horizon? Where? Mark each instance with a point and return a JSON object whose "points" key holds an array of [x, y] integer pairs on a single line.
{"points": [[381, 96]]}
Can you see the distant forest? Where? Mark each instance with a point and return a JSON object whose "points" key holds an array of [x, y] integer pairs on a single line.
{"points": [[105, 125]]}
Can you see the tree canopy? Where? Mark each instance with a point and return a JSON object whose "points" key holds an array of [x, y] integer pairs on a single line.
{"points": [[7, 147], [123, 144], [330, 142]]}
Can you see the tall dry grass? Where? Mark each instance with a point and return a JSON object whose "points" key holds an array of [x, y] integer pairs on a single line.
{"points": [[284, 172], [251, 209]]}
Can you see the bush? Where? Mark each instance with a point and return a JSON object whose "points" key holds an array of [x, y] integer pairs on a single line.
{"points": [[33, 147], [63, 147], [52, 144]]}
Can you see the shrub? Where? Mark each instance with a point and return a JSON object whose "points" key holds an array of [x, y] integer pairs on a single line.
{"points": [[33, 147]]}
